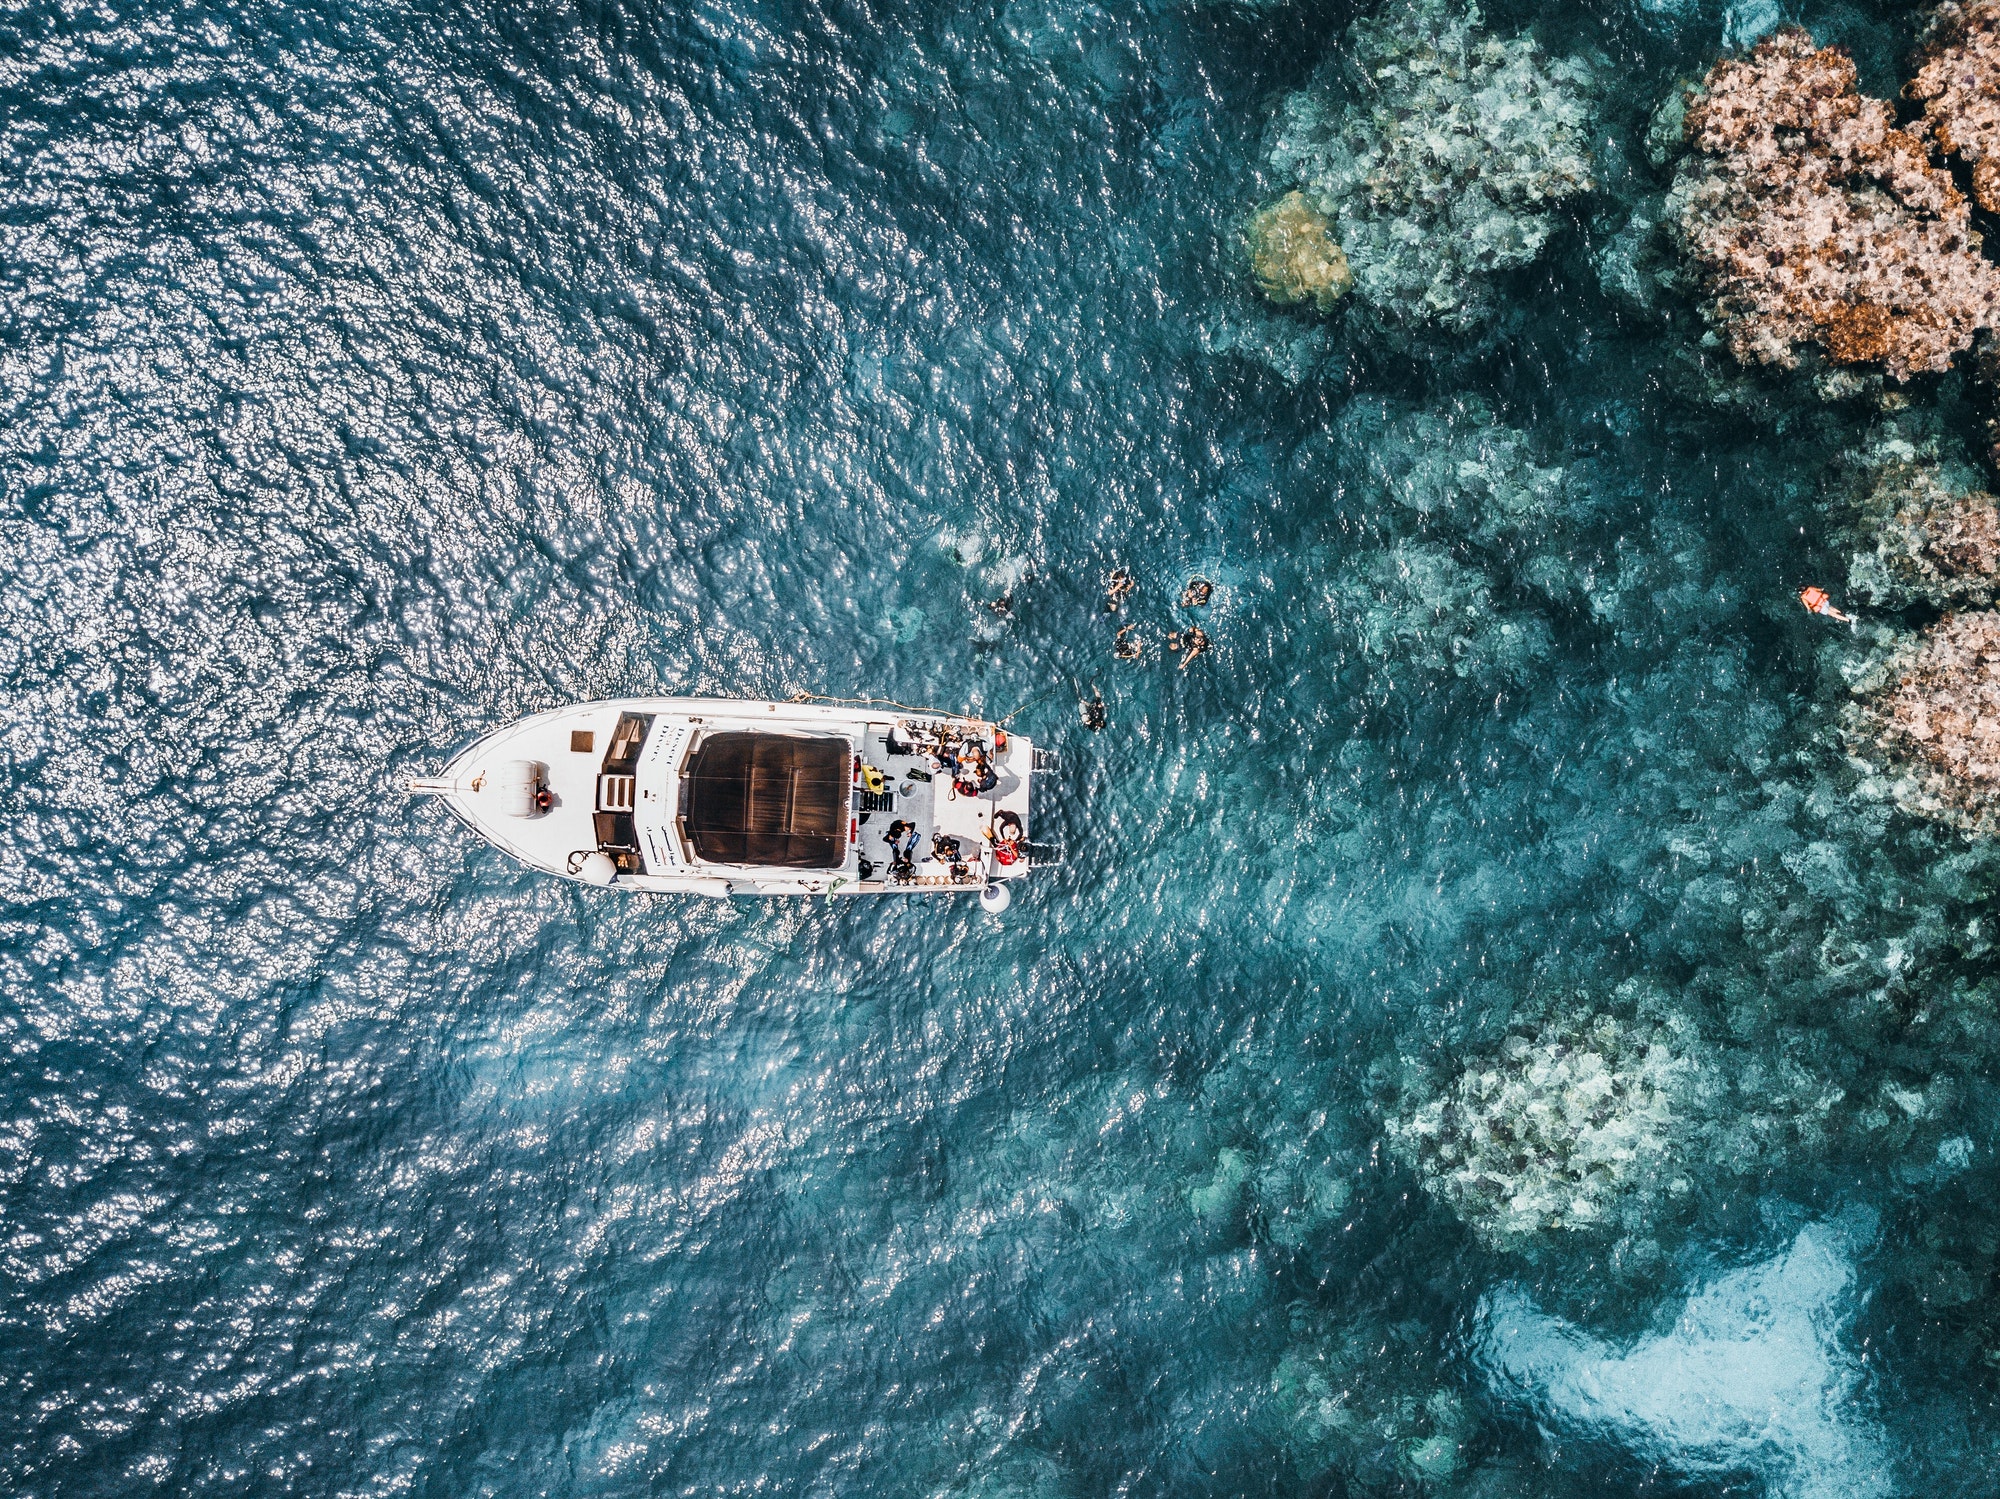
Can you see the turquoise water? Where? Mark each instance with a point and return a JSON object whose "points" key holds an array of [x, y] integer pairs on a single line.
{"points": [[372, 375]]}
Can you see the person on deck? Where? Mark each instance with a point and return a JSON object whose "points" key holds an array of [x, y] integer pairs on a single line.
{"points": [[1005, 834], [975, 775], [902, 849]]}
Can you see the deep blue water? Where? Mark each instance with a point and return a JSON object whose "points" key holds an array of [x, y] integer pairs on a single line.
{"points": [[375, 373]]}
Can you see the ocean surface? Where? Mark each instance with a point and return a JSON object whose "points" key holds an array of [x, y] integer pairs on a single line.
{"points": [[373, 373]]}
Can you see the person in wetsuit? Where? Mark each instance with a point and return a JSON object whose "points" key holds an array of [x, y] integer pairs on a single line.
{"points": [[902, 849], [1006, 835]]}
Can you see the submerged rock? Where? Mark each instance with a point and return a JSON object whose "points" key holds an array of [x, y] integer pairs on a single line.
{"points": [[1484, 545], [1557, 1128], [1417, 607], [1463, 474], [1917, 531], [1813, 221], [1294, 257], [1751, 1377], [1444, 158], [1929, 715], [1377, 1408], [1958, 83]]}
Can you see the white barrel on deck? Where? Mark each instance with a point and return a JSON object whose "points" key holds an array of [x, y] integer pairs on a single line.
{"points": [[513, 785]]}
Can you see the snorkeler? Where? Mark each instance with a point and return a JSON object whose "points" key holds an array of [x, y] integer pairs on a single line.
{"points": [[1817, 602], [1197, 593], [1128, 650], [1192, 642], [1118, 583]]}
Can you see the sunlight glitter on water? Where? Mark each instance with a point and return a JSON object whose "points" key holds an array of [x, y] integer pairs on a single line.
{"points": [[373, 377]]}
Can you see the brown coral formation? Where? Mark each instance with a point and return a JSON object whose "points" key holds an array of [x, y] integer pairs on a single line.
{"points": [[1958, 83], [1294, 257], [1944, 546], [1937, 714], [1918, 538], [1813, 220]]}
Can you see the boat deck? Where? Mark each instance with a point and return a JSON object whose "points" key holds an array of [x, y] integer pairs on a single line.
{"points": [[935, 807]]}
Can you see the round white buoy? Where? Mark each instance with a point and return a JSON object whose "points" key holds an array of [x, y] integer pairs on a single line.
{"points": [[995, 898], [597, 868]]}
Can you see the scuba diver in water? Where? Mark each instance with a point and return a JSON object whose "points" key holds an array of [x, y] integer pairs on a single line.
{"points": [[1192, 642], [1197, 593], [1118, 583], [1093, 710]]}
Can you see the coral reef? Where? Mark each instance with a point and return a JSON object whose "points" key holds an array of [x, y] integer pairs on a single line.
{"points": [[1642, 263], [1442, 161], [1465, 474], [1293, 256], [1928, 714], [1378, 1410], [1812, 220], [1916, 529], [1958, 83], [1416, 606], [1483, 543], [1558, 1127]]}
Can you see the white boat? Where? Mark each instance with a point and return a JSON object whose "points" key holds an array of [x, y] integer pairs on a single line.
{"points": [[723, 797]]}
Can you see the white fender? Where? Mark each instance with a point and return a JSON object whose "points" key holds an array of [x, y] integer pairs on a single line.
{"points": [[596, 868]]}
